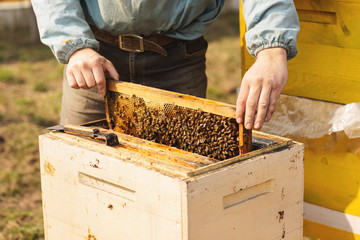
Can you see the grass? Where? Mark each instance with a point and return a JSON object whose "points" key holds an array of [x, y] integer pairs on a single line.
{"points": [[39, 86], [7, 76], [223, 58], [223, 69], [23, 229], [30, 85]]}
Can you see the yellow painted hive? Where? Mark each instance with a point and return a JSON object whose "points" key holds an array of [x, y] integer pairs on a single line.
{"points": [[327, 73]]}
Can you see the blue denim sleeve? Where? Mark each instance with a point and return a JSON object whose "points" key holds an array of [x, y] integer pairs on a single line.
{"points": [[63, 28], [271, 23]]}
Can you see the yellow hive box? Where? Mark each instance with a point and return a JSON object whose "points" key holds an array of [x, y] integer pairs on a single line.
{"points": [[327, 69], [327, 66]]}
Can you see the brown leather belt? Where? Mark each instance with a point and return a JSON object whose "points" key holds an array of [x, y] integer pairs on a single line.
{"points": [[134, 43]]}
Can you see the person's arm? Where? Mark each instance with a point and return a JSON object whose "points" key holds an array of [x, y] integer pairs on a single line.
{"points": [[272, 26], [62, 26]]}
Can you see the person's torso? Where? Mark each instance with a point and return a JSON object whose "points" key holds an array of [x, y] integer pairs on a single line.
{"points": [[184, 19]]}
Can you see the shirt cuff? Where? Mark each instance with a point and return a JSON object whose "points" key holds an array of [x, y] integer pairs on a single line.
{"points": [[64, 51], [261, 44], [291, 50]]}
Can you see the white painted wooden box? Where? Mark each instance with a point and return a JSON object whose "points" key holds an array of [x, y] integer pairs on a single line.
{"points": [[145, 191]]}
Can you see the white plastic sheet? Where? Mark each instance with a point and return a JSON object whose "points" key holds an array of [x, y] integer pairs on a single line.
{"points": [[347, 118], [311, 119]]}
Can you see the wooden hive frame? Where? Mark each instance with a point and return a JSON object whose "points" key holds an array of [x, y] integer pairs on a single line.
{"points": [[180, 100], [196, 164]]}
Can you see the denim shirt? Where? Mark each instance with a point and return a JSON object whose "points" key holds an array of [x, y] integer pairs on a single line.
{"points": [[64, 24]]}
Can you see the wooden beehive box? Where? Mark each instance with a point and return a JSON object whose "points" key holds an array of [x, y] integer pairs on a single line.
{"points": [[142, 190]]}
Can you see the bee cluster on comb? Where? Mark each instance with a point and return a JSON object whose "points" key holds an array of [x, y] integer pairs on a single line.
{"points": [[191, 130]]}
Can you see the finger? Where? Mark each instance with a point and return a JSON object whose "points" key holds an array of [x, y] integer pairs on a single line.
{"points": [[110, 69], [241, 103], [251, 106], [98, 72], [274, 96], [89, 78], [80, 80], [71, 80], [262, 108]]}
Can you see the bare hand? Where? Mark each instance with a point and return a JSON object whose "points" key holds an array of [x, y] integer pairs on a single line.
{"points": [[86, 70], [261, 88]]}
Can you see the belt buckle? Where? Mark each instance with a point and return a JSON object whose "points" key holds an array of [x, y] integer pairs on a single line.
{"points": [[139, 38]]}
